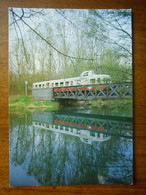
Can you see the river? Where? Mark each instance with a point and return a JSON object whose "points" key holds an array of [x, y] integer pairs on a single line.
{"points": [[70, 146]]}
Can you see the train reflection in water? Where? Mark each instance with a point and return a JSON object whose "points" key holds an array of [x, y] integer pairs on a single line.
{"points": [[41, 156], [87, 127]]}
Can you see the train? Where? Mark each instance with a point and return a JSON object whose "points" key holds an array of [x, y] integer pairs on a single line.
{"points": [[86, 78]]}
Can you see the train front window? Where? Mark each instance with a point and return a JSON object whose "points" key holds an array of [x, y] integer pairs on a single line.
{"points": [[86, 74]]}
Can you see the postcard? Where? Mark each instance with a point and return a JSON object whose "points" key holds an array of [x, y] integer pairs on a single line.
{"points": [[70, 96]]}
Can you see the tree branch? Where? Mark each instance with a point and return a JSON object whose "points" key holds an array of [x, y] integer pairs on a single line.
{"points": [[65, 55]]}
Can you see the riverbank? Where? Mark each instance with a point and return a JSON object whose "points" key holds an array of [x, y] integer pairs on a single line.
{"points": [[27, 103], [118, 107]]}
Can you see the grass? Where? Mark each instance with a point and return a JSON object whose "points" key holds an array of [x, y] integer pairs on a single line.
{"points": [[27, 103], [115, 106]]}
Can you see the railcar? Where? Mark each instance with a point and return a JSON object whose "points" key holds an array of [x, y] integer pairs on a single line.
{"points": [[86, 78]]}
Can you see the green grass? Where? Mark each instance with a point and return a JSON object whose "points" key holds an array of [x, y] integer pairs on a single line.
{"points": [[27, 103], [115, 106]]}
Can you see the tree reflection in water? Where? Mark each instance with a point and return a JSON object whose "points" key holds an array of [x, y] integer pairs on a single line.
{"points": [[54, 158]]}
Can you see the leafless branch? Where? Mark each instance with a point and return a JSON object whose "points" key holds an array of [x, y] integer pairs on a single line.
{"points": [[65, 55]]}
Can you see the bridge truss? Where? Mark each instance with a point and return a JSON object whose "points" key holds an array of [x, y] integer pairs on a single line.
{"points": [[89, 92]]}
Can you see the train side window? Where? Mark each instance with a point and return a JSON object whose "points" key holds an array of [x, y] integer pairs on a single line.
{"points": [[48, 84], [40, 86], [61, 84], [92, 80], [52, 84], [61, 128], [66, 129], [67, 83], [71, 83], [43, 85], [56, 84], [36, 86], [93, 134]]}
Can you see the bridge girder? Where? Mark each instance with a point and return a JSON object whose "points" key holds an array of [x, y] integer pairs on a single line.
{"points": [[89, 92]]}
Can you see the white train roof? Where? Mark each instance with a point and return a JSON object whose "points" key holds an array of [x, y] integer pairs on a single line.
{"points": [[85, 74]]}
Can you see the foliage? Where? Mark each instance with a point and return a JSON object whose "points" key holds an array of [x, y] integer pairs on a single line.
{"points": [[59, 158], [27, 103], [114, 107], [43, 47]]}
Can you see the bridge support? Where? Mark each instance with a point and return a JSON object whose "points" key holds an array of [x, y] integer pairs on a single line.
{"points": [[43, 94]]}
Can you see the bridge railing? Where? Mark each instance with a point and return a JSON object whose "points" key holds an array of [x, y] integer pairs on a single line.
{"points": [[111, 90]]}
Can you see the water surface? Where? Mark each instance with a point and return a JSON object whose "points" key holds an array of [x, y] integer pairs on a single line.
{"points": [[70, 147]]}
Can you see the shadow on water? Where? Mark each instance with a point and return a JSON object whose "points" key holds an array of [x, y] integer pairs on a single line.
{"points": [[70, 147]]}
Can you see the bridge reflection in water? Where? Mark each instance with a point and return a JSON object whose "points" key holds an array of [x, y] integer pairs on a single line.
{"points": [[87, 127], [63, 148]]}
